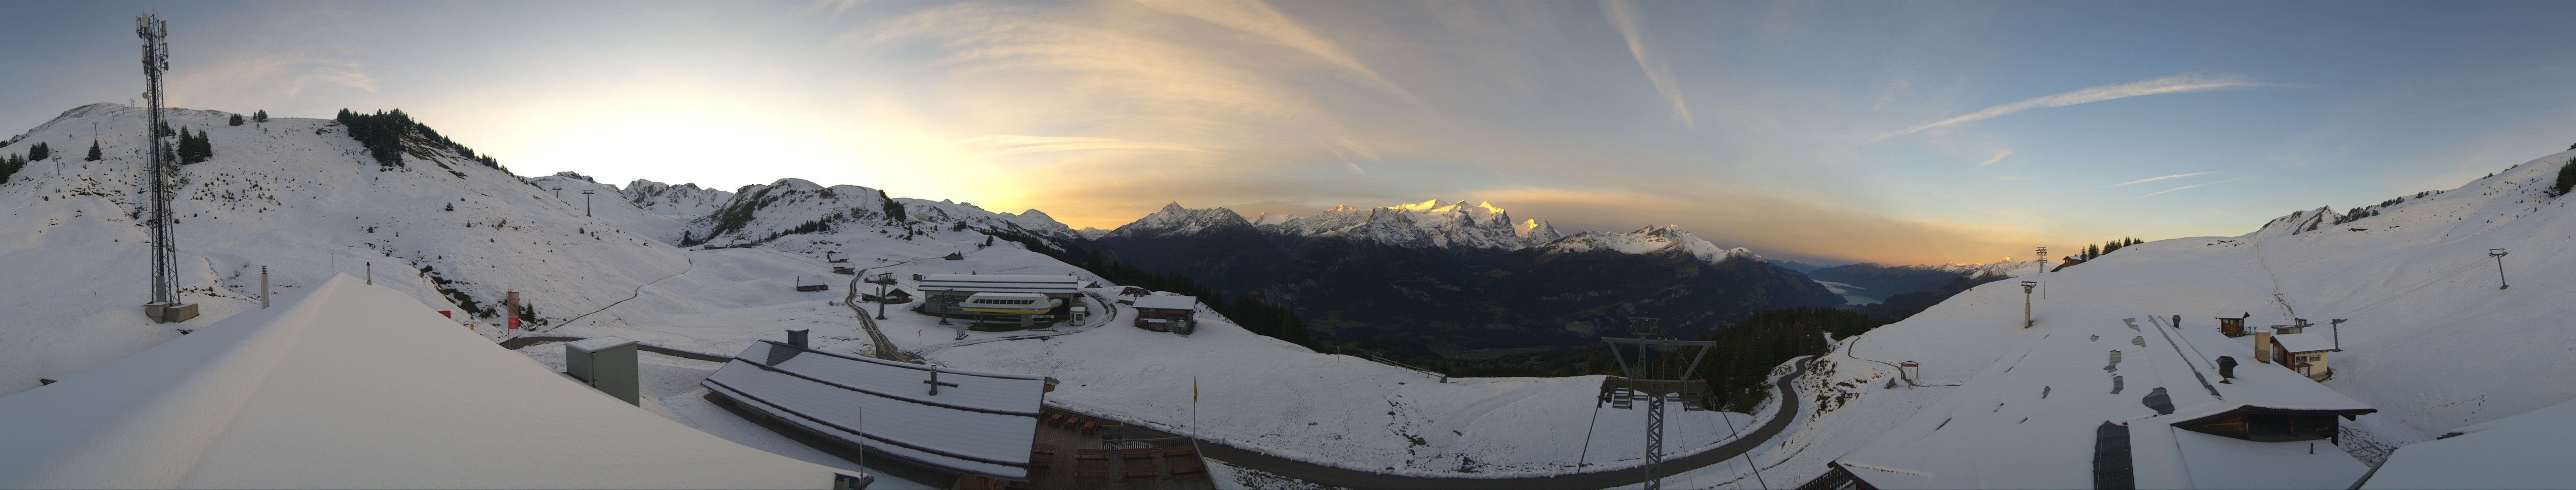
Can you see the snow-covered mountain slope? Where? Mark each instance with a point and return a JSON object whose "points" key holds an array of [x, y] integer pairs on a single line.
{"points": [[2429, 338], [1426, 224], [1651, 239], [299, 197], [678, 201], [759, 213], [1174, 220], [598, 205]]}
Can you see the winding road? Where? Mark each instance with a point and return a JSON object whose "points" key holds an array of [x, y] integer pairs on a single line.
{"points": [[1350, 478]]}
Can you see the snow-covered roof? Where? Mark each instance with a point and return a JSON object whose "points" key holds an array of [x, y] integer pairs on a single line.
{"points": [[2305, 342], [983, 425], [596, 344], [1000, 283], [2164, 456], [2032, 420], [2528, 450], [348, 385], [1167, 302]]}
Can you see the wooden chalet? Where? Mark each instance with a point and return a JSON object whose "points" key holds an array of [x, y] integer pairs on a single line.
{"points": [[1167, 313]]}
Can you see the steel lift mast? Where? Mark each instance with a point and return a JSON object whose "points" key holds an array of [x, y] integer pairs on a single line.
{"points": [[1642, 381]]}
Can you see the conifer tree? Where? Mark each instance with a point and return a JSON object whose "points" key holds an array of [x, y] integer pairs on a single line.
{"points": [[193, 148], [236, 120], [94, 153], [9, 166], [259, 116], [893, 210], [39, 151], [2566, 180]]}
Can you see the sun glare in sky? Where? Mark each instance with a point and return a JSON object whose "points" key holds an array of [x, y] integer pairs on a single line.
{"points": [[1919, 132]]}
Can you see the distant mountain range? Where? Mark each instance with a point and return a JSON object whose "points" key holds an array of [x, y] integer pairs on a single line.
{"points": [[1429, 278]]}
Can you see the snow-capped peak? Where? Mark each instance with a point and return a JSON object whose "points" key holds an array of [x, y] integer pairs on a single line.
{"points": [[1176, 220], [1651, 239], [1536, 232], [1430, 223], [1037, 220]]}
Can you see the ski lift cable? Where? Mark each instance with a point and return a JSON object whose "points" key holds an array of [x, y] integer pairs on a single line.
{"points": [[2401, 294]]}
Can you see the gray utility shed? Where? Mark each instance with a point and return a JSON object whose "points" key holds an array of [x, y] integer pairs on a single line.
{"points": [[607, 363]]}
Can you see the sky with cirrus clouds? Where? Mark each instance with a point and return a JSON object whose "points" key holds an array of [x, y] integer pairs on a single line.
{"points": [[1914, 132]]}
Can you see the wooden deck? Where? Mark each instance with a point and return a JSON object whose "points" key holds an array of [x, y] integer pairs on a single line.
{"points": [[1121, 457]]}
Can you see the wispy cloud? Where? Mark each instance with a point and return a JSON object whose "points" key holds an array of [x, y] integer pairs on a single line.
{"points": [[278, 74], [1007, 144], [1261, 20], [2167, 85], [2163, 192], [1999, 156], [1659, 72], [2153, 179]]}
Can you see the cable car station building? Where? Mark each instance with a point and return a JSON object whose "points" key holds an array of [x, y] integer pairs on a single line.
{"points": [[1039, 298]]}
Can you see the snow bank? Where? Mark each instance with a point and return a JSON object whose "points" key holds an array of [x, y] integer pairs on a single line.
{"points": [[348, 386]]}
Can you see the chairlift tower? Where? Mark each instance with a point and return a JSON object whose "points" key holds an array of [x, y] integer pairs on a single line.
{"points": [[165, 306], [1642, 382], [2025, 303], [2499, 254]]}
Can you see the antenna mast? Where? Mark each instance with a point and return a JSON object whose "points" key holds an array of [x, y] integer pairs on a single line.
{"points": [[165, 306]]}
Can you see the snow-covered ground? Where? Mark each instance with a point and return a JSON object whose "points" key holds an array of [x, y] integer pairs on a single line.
{"points": [[346, 385], [2431, 341]]}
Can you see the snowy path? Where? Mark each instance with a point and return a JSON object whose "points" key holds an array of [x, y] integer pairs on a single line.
{"points": [[1349, 478], [885, 348]]}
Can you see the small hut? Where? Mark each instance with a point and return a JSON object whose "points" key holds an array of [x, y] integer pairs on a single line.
{"points": [[818, 285], [2304, 352], [1166, 313], [2233, 327]]}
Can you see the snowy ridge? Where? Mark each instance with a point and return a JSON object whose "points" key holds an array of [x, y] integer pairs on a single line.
{"points": [[759, 213], [677, 201], [1427, 224], [1174, 220], [1648, 240]]}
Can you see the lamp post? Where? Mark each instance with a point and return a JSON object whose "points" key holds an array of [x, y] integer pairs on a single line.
{"points": [[585, 201], [2025, 302], [559, 192]]}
